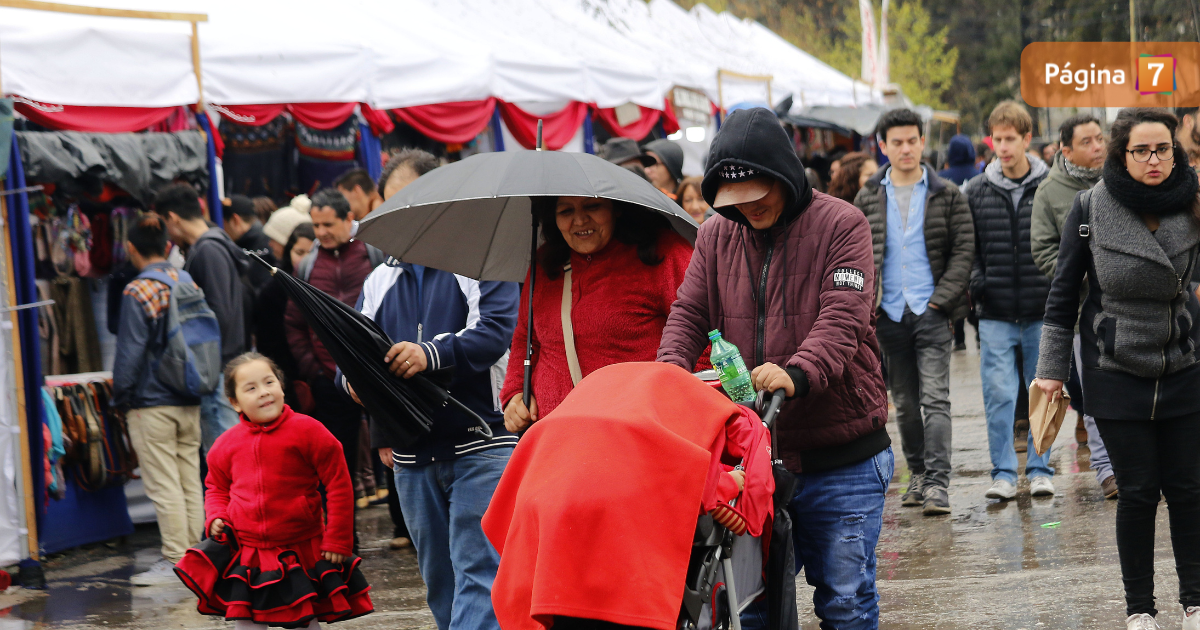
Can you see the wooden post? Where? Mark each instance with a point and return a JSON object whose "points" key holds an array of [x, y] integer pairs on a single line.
{"points": [[23, 421], [196, 68]]}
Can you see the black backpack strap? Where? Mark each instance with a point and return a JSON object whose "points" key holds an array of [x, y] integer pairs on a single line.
{"points": [[1085, 211]]}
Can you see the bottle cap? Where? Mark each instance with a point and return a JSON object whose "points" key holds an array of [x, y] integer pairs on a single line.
{"points": [[713, 334]]}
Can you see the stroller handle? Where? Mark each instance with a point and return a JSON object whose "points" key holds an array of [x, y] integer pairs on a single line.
{"points": [[772, 407]]}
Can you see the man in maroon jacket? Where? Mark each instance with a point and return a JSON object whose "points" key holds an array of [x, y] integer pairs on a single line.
{"points": [[787, 275], [339, 266]]}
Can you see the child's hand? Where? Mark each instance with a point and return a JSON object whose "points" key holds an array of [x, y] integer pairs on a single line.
{"points": [[335, 558], [218, 526], [739, 476]]}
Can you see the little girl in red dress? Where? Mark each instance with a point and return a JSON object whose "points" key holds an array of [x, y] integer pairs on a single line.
{"points": [[273, 556]]}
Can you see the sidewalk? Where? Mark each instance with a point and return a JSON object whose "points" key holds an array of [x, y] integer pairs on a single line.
{"points": [[989, 565]]}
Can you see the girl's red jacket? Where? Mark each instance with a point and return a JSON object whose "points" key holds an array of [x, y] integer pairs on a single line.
{"points": [[263, 478]]}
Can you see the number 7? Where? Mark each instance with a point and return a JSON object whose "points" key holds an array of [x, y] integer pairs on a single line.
{"points": [[1157, 68]]}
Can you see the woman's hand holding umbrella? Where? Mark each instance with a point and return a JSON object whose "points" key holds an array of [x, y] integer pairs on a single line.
{"points": [[406, 359], [518, 417]]}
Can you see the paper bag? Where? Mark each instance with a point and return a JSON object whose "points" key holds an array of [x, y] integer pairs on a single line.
{"points": [[1045, 417]]}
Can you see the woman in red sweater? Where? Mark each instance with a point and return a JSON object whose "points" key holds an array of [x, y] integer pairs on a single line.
{"points": [[626, 265], [274, 556]]}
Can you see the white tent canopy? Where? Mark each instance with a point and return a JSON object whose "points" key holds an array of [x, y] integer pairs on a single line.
{"points": [[400, 53]]}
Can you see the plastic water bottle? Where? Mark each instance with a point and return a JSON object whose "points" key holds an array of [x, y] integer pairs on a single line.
{"points": [[728, 363]]}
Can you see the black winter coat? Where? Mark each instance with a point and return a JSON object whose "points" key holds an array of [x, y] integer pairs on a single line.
{"points": [[1006, 283]]}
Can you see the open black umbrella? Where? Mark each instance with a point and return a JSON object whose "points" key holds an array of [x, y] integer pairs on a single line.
{"points": [[358, 345], [473, 217]]}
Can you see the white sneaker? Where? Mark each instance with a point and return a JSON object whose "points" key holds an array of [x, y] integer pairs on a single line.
{"points": [[1141, 621], [1041, 487], [161, 572], [1002, 490], [1191, 618]]}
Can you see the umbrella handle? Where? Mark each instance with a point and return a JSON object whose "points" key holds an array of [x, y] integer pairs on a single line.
{"points": [[483, 426]]}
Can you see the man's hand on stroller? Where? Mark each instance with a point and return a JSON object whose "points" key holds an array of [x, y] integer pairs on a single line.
{"points": [[518, 417], [770, 377]]}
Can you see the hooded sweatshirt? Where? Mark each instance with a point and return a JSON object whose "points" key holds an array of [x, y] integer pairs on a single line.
{"points": [[217, 265], [799, 294], [960, 160]]}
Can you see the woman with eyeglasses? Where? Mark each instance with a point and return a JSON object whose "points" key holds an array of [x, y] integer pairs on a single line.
{"points": [[1135, 239]]}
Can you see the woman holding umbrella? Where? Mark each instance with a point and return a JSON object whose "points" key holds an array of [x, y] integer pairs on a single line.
{"points": [[623, 265]]}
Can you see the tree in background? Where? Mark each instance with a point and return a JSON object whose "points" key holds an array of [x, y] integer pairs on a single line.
{"points": [[982, 44], [921, 61]]}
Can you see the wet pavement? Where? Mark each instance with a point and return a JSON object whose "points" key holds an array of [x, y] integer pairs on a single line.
{"points": [[986, 565]]}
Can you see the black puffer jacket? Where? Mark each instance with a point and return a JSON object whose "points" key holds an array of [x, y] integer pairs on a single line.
{"points": [[1005, 283]]}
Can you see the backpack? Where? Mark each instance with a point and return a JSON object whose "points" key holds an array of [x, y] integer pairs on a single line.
{"points": [[190, 363], [304, 271]]}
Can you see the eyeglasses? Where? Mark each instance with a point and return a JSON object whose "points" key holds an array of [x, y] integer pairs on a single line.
{"points": [[1142, 154]]}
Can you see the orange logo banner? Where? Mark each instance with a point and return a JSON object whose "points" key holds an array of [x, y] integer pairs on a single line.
{"points": [[1111, 74]]}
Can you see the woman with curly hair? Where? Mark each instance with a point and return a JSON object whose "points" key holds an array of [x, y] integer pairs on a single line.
{"points": [[855, 169]]}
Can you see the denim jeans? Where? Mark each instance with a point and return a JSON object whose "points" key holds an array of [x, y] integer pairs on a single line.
{"points": [[443, 503], [918, 351], [836, 519], [998, 343], [216, 415]]}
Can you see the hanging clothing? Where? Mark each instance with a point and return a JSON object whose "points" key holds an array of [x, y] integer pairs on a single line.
{"points": [[79, 348], [324, 154], [257, 160]]}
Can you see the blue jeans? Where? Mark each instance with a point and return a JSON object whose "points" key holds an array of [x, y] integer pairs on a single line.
{"points": [[836, 519], [443, 503], [998, 343], [216, 415]]}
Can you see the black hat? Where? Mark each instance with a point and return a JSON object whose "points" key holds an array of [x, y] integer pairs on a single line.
{"points": [[622, 150], [240, 205], [670, 154]]}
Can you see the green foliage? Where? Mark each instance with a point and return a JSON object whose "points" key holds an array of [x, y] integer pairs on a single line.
{"points": [[921, 60]]}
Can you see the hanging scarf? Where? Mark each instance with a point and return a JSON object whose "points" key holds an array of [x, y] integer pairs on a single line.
{"points": [[1176, 194], [1089, 175]]}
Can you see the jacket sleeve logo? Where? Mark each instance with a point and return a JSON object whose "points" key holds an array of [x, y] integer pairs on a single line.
{"points": [[848, 278]]}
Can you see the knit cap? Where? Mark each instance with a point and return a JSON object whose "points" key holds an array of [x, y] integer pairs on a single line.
{"points": [[279, 227]]}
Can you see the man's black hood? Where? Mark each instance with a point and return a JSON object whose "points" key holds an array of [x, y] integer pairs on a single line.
{"points": [[754, 138]]}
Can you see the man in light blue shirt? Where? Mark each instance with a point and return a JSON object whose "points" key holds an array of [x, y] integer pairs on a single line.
{"points": [[924, 243]]}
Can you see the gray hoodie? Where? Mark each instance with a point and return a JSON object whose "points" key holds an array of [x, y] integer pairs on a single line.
{"points": [[995, 174], [217, 265]]}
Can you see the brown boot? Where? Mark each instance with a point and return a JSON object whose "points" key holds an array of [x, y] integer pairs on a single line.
{"points": [[1080, 431], [1109, 488], [1021, 435]]}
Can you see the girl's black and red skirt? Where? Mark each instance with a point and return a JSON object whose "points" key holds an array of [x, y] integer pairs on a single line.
{"points": [[286, 587]]}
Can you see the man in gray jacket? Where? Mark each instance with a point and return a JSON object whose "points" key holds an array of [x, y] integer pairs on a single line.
{"points": [[924, 241], [1076, 168]]}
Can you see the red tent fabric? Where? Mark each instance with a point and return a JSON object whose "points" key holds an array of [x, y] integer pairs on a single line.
{"points": [[557, 128], [595, 512], [450, 122], [96, 119], [379, 120], [315, 115], [670, 122], [636, 130]]}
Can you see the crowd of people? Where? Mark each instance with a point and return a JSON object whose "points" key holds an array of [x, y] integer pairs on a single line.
{"points": [[1077, 267]]}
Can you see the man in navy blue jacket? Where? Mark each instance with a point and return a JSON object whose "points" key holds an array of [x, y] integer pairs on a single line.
{"points": [[445, 481]]}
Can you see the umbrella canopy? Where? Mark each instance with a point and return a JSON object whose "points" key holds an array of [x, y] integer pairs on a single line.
{"points": [[358, 345], [473, 217]]}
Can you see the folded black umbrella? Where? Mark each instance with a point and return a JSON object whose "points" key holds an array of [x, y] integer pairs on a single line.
{"points": [[358, 345]]}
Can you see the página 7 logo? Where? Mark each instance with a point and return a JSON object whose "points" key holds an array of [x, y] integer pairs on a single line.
{"points": [[1082, 78]]}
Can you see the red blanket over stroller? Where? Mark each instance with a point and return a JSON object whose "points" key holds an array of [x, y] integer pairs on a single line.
{"points": [[595, 514]]}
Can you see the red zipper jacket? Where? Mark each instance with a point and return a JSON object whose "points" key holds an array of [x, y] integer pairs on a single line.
{"points": [[263, 478]]}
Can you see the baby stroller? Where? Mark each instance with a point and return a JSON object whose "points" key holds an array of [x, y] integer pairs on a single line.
{"points": [[609, 502], [727, 572]]}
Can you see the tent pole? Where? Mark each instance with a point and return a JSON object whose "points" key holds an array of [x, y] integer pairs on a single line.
{"points": [[19, 378], [196, 67]]}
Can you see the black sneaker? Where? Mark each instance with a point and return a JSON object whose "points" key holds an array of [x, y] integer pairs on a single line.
{"points": [[937, 501], [913, 497]]}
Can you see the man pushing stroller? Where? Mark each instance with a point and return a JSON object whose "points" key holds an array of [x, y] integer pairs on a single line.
{"points": [[795, 293]]}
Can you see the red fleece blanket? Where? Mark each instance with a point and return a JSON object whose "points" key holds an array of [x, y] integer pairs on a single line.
{"points": [[595, 513]]}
